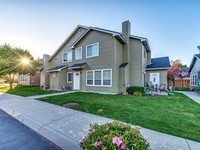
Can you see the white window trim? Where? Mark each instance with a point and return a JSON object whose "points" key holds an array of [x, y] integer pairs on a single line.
{"points": [[63, 57], [24, 78], [192, 79], [97, 50], [81, 53], [101, 78], [68, 78]]}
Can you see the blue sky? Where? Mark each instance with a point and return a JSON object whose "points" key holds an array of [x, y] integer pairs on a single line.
{"points": [[40, 26]]}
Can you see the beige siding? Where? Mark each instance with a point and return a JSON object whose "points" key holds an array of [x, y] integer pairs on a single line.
{"points": [[105, 60], [119, 73], [54, 81], [57, 59], [163, 75], [135, 64]]}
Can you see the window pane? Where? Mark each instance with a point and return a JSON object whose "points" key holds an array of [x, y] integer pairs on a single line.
{"points": [[67, 56], [90, 78], [106, 77], [78, 53], [97, 77], [69, 79], [92, 50], [89, 51]]}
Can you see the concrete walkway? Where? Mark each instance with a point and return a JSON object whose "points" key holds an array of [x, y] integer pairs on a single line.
{"points": [[66, 127], [53, 94], [193, 95]]}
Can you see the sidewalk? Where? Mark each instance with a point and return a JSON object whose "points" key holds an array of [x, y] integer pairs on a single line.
{"points": [[193, 95], [66, 127]]}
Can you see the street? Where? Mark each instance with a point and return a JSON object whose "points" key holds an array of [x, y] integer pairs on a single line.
{"points": [[16, 136]]}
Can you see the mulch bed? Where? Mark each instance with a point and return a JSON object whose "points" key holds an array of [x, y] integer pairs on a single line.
{"points": [[70, 104]]}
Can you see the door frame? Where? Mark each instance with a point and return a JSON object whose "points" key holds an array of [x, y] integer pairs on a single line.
{"points": [[75, 81]]}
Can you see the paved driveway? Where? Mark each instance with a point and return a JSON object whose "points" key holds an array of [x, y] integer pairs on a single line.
{"points": [[16, 136]]}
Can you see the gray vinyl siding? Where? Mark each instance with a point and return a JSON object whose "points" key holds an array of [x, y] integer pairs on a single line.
{"points": [[163, 75], [196, 67], [57, 59], [105, 60], [195, 70], [118, 72], [54, 81], [135, 64]]}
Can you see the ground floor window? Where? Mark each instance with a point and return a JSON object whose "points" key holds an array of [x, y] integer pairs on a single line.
{"points": [[23, 77], [193, 80], [101, 77], [69, 77]]}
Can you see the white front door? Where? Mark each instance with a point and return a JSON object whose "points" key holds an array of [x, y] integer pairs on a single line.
{"points": [[155, 78], [76, 80]]}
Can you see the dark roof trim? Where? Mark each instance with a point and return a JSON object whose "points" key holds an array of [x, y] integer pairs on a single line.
{"points": [[149, 69], [58, 49], [57, 68], [77, 66], [115, 34], [123, 65]]}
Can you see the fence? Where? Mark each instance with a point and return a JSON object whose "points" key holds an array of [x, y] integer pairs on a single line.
{"points": [[185, 82]]}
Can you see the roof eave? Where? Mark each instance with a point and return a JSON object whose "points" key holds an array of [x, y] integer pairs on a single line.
{"points": [[79, 26], [165, 68]]}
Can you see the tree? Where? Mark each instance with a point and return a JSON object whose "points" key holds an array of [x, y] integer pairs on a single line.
{"points": [[14, 62], [174, 71]]}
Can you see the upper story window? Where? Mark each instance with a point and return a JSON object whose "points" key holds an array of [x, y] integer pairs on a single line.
{"points": [[67, 56], [92, 50], [78, 53]]}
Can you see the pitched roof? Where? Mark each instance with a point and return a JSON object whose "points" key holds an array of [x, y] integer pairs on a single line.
{"points": [[58, 49], [57, 68], [116, 34], [159, 63], [195, 57]]}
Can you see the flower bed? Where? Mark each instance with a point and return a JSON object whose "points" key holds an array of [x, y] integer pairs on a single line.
{"points": [[114, 136]]}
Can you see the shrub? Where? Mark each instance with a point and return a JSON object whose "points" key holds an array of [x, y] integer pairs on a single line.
{"points": [[112, 136], [133, 89], [182, 89], [125, 93], [137, 94]]}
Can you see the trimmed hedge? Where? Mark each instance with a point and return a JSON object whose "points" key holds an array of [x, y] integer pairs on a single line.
{"points": [[133, 89], [182, 89]]}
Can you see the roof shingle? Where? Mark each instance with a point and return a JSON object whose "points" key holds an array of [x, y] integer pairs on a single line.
{"points": [[159, 63]]}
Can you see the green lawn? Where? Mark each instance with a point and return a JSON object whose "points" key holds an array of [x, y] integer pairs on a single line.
{"points": [[177, 115], [23, 90]]}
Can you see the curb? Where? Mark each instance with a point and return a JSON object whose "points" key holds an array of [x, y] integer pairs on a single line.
{"points": [[47, 132]]}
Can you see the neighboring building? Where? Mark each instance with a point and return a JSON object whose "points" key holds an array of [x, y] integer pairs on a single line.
{"points": [[157, 70], [194, 71], [100, 60], [27, 79]]}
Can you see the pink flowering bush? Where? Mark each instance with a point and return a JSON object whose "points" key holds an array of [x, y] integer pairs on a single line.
{"points": [[114, 136]]}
